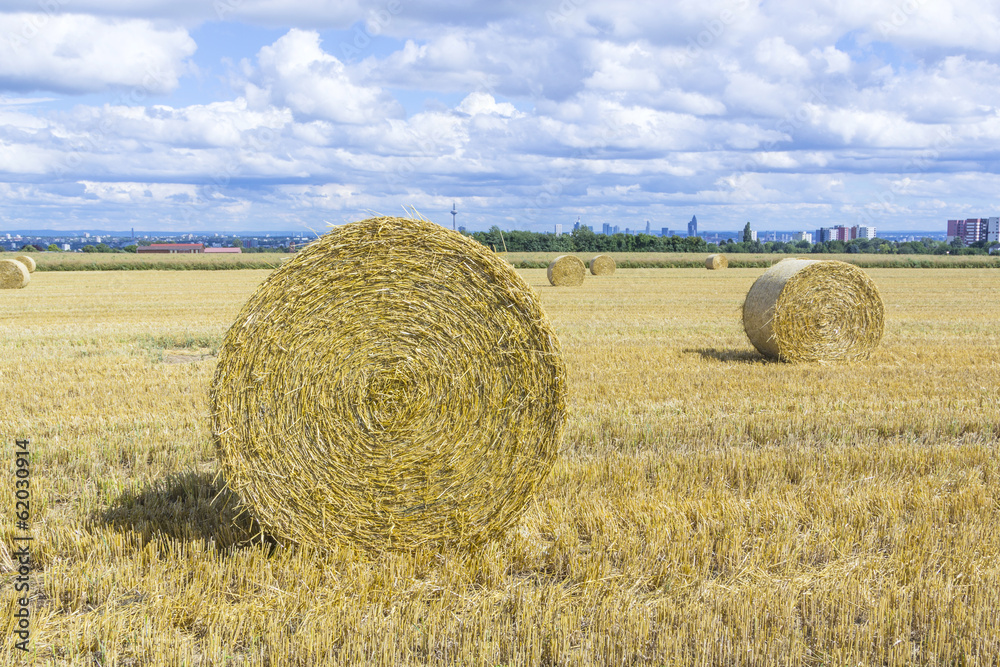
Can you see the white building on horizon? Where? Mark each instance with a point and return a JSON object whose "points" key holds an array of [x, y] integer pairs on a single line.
{"points": [[558, 229]]}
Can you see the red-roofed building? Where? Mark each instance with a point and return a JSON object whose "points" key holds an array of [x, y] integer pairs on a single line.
{"points": [[225, 250], [172, 248]]}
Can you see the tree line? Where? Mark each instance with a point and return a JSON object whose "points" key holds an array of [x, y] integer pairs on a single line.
{"points": [[584, 240]]}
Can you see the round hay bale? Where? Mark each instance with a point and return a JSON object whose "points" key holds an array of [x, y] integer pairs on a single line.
{"points": [[395, 384], [602, 265], [717, 262], [29, 262], [13, 274], [566, 270], [814, 310]]}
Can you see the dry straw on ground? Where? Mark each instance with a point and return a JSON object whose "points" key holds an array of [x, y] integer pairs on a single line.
{"points": [[29, 262], [812, 310], [395, 384], [566, 270], [13, 274], [602, 265], [716, 262]]}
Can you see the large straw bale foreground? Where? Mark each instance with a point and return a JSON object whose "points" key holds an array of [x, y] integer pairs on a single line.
{"points": [[602, 265], [813, 310], [566, 270], [395, 384], [715, 262], [28, 261], [13, 274]]}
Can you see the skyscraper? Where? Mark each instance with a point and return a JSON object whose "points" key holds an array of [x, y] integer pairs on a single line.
{"points": [[693, 226], [647, 226]]}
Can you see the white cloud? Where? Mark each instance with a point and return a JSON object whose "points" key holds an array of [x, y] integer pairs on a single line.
{"points": [[837, 62], [77, 53], [483, 103], [297, 73], [777, 57], [140, 193], [741, 107]]}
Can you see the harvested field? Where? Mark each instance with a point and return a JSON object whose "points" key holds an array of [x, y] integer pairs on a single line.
{"points": [[707, 506]]}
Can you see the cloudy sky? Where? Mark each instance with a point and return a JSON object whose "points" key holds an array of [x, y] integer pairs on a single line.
{"points": [[247, 115]]}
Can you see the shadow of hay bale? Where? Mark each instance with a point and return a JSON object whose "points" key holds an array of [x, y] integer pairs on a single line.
{"points": [[187, 507], [730, 356]]}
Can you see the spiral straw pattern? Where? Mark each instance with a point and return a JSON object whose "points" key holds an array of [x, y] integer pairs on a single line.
{"points": [[13, 274], [814, 310], [395, 384], [566, 270], [602, 265]]}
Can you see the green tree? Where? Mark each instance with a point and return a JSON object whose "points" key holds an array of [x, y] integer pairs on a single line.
{"points": [[53, 248], [237, 243], [103, 247], [584, 240], [27, 247], [747, 233], [131, 248], [89, 248]]}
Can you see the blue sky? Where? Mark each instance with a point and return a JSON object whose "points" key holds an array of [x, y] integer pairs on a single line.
{"points": [[256, 115]]}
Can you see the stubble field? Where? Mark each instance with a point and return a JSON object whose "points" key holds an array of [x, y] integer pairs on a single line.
{"points": [[707, 507]]}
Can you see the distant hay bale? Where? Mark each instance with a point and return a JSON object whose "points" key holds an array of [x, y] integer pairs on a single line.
{"points": [[814, 310], [29, 262], [395, 384], [13, 274], [602, 265], [717, 262], [566, 270]]}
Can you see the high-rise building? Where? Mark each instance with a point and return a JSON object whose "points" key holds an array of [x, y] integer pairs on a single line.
{"points": [[647, 227], [993, 230], [665, 232], [693, 226], [558, 229], [969, 230], [606, 229], [955, 228], [862, 232], [803, 236], [838, 233]]}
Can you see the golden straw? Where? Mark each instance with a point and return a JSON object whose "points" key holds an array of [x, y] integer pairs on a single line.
{"points": [[566, 270], [602, 265], [813, 310], [394, 384]]}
